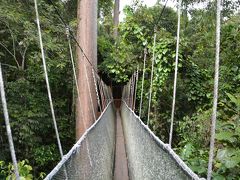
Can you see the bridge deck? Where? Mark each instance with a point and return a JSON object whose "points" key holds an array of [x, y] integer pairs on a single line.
{"points": [[121, 167]]}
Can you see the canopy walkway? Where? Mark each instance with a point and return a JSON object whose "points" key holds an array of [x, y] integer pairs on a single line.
{"points": [[93, 156], [119, 145]]}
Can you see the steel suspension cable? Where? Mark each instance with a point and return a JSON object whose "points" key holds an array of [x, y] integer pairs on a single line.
{"points": [[215, 98], [151, 81], [71, 34], [47, 81], [176, 72], [163, 9], [8, 126], [143, 78]]}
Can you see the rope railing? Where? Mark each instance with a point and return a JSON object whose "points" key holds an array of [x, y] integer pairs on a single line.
{"points": [[101, 143], [148, 156]]}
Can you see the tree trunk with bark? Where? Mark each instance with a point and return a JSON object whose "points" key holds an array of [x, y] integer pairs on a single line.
{"points": [[116, 18], [87, 38]]}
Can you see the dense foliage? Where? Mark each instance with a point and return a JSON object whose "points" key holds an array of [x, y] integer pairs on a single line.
{"points": [[34, 136]]}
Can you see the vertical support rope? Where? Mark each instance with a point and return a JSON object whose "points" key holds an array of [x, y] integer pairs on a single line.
{"points": [[8, 127], [151, 83], [125, 93], [132, 91], [104, 94], [96, 88], [47, 81], [111, 94], [129, 92], [74, 72], [215, 98], [89, 91], [135, 93], [176, 72], [143, 78], [100, 91]]}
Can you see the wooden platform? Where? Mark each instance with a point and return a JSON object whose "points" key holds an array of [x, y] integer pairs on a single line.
{"points": [[121, 167]]}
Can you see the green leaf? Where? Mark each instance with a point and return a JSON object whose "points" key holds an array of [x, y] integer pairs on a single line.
{"points": [[229, 157], [187, 151], [225, 136], [233, 99]]}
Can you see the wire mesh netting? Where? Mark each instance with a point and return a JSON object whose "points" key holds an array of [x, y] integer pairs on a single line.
{"points": [[92, 156], [148, 157]]}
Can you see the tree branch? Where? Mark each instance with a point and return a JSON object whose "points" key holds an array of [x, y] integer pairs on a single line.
{"points": [[10, 53], [23, 57]]}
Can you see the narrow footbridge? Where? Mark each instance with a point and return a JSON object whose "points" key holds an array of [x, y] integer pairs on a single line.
{"points": [[120, 146]]}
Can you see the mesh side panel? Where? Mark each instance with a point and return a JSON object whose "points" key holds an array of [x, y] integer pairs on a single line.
{"points": [[92, 156], [148, 157]]}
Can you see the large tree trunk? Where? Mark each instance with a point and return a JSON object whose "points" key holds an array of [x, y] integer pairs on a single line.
{"points": [[87, 38], [116, 18]]}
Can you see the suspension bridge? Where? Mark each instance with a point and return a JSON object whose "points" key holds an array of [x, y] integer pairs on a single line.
{"points": [[119, 145]]}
